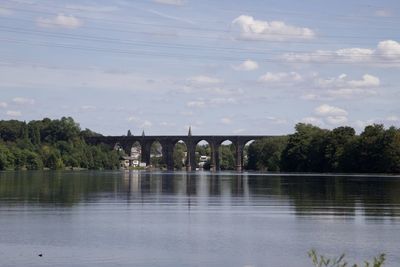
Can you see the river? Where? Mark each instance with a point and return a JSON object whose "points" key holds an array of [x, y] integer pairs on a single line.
{"points": [[122, 218]]}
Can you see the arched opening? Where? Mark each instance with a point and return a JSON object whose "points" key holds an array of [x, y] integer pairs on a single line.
{"points": [[123, 161], [156, 156], [248, 155], [118, 147], [203, 155], [227, 155], [136, 155], [180, 155]]}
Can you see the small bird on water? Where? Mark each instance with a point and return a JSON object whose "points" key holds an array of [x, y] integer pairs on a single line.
{"points": [[40, 255]]}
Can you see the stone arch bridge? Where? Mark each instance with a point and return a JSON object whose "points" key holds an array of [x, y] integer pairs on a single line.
{"points": [[168, 144]]}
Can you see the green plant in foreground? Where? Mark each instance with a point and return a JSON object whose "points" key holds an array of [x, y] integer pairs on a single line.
{"points": [[322, 261]]}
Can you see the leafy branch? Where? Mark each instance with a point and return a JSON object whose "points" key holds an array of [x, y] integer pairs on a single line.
{"points": [[322, 261]]}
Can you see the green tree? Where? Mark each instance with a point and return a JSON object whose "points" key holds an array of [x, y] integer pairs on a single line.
{"points": [[336, 143], [305, 150], [227, 158], [391, 153], [265, 154], [370, 149], [33, 161], [6, 158], [179, 155]]}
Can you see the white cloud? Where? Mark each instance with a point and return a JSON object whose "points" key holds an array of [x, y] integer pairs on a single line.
{"points": [[226, 121], [140, 122], [171, 2], [366, 81], [313, 121], [389, 50], [349, 93], [4, 12], [247, 65], [167, 124], [331, 115], [88, 107], [220, 100], [383, 13], [336, 120], [146, 124], [354, 54], [393, 118], [196, 104], [95, 9], [23, 101], [239, 131], [132, 118], [341, 81], [203, 79], [251, 29], [187, 113], [342, 87], [327, 110], [60, 21], [309, 96], [284, 77], [14, 113], [3, 104], [276, 120], [387, 53], [201, 103], [58, 78]]}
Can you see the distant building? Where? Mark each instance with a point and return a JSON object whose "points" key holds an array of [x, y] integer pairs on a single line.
{"points": [[202, 161], [125, 161], [132, 160], [136, 152]]}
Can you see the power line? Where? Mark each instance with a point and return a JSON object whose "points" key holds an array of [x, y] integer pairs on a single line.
{"points": [[153, 44], [207, 37], [120, 41], [223, 31], [274, 10], [172, 55]]}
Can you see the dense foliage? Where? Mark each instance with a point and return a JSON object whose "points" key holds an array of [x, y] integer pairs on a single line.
{"points": [[311, 149], [53, 144], [59, 144], [322, 261]]}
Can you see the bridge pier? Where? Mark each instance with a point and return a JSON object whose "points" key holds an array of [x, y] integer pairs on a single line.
{"points": [[190, 156], [239, 156], [146, 152], [168, 154], [216, 156]]}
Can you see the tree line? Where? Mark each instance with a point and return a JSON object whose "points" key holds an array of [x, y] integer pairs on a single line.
{"points": [[312, 149], [52, 144], [60, 143]]}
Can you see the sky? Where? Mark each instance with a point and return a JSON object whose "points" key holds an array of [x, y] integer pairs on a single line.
{"points": [[221, 67]]}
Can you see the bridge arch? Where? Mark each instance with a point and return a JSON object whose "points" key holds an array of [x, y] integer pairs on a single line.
{"points": [[203, 154], [245, 152], [227, 160], [180, 154], [157, 157]]}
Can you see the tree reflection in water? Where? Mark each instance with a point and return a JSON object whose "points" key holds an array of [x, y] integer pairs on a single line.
{"points": [[346, 196]]}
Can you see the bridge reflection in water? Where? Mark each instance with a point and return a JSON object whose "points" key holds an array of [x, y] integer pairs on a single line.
{"points": [[168, 145], [374, 197]]}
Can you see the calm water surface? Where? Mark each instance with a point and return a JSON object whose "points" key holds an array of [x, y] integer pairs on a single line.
{"points": [[196, 219]]}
